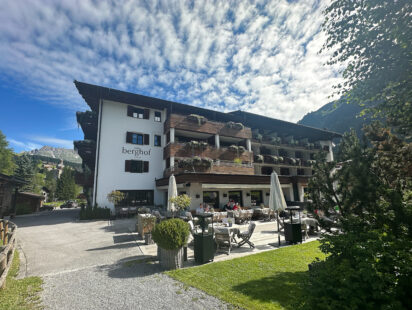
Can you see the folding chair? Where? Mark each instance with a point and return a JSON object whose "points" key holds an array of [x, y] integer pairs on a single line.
{"points": [[246, 235], [224, 239]]}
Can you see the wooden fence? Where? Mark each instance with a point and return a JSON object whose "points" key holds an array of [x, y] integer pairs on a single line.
{"points": [[7, 245]]}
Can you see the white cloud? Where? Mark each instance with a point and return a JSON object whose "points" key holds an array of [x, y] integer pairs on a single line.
{"points": [[257, 57], [26, 146], [53, 141]]}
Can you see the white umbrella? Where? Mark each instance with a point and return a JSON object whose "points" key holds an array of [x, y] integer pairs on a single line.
{"points": [[172, 192], [276, 199]]}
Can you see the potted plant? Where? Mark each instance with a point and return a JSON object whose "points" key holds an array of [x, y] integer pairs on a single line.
{"points": [[148, 225], [115, 197], [170, 237], [197, 118]]}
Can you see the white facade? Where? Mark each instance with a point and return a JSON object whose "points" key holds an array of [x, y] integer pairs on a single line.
{"points": [[113, 151]]}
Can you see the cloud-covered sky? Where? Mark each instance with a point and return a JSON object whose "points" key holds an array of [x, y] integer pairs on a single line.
{"points": [[257, 56]]}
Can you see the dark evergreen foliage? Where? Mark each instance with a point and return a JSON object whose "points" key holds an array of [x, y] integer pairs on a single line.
{"points": [[368, 190], [7, 164], [66, 186], [373, 40]]}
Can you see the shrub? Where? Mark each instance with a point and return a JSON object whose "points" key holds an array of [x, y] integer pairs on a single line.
{"points": [[94, 213], [171, 234], [182, 201]]}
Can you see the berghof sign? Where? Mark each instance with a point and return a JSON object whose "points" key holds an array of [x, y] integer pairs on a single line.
{"points": [[137, 152]]}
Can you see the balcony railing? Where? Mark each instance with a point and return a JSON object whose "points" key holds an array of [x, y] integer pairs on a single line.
{"points": [[218, 166], [224, 153]]}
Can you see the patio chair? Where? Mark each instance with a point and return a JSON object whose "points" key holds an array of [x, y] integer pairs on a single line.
{"points": [[246, 235], [159, 217], [304, 228], [224, 239], [124, 212], [132, 211]]}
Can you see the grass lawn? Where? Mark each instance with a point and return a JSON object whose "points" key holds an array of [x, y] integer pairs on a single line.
{"points": [[268, 280], [20, 294]]}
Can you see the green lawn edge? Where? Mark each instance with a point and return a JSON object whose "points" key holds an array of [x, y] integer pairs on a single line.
{"points": [[268, 280], [20, 294]]}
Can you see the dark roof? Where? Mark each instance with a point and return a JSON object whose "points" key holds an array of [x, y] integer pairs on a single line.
{"points": [[93, 93], [31, 195], [297, 130]]}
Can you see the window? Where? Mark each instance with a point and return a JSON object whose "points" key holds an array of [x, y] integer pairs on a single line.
{"points": [[212, 199], [137, 198], [138, 112], [256, 197], [136, 166], [137, 138], [158, 116], [301, 171], [157, 140]]}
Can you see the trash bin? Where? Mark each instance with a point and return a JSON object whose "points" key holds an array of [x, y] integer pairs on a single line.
{"points": [[293, 229], [204, 246]]}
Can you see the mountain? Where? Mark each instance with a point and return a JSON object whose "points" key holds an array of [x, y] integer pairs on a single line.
{"points": [[336, 116], [56, 153]]}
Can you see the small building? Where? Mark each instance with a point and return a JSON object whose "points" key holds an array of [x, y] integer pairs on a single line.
{"points": [[28, 202], [133, 143]]}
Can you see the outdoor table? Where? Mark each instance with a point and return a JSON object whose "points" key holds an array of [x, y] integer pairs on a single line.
{"points": [[226, 230]]}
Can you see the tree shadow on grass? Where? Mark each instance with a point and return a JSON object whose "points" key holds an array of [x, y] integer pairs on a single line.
{"points": [[285, 289]]}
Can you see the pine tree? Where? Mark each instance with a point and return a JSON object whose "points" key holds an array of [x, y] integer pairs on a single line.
{"points": [[66, 186], [25, 170], [7, 164]]}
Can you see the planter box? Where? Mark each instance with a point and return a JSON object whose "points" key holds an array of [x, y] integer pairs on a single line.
{"points": [[170, 259]]}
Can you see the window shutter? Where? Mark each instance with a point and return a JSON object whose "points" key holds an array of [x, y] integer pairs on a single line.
{"points": [[129, 111], [127, 165], [146, 113], [145, 166], [129, 137], [146, 139]]}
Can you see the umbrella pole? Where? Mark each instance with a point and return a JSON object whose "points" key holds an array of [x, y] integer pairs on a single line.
{"points": [[277, 220]]}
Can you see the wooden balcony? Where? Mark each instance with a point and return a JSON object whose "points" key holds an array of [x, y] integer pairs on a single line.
{"points": [[183, 122], [218, 167], [182, 150]]}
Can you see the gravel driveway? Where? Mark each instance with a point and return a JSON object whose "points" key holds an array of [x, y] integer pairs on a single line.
{"points": [[84, 266]]}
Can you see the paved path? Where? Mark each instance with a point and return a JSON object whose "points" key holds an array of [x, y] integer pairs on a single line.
{"points": [[83, 266]]}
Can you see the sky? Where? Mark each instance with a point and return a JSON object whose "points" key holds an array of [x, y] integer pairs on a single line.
{"points": [[256, 56]]}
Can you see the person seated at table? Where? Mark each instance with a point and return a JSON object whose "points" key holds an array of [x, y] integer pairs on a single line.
{"points": [[236, 207], [206, 208], [200, 209]]}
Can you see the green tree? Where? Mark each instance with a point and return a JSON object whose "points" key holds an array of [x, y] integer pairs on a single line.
{"points": [[50, 182], [66, 186], [372, 39], [369, 193], [7, 164], [26, 170]]}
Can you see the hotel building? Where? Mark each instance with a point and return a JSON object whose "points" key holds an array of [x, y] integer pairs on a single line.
{"points": [[133, 143]]}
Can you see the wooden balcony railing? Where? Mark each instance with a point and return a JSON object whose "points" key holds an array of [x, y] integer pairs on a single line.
{"points": [[219, 167], [183, 122], [223, 153]]}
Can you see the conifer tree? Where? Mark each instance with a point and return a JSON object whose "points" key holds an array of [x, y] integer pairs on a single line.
{"points": [[66, 186], [7, 164]]}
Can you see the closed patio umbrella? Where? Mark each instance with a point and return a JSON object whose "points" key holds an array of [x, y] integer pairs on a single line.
{"points": [[172, 192], [276, 199]]}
